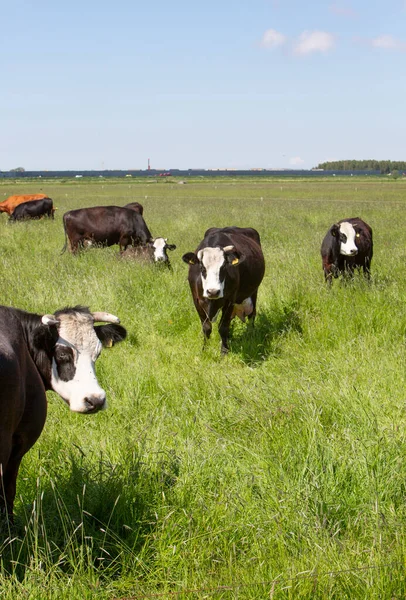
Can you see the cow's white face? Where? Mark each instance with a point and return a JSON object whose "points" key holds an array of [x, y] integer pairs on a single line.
{"points": [[212, 262], [347, 239], [159, 246], [73, 372]]}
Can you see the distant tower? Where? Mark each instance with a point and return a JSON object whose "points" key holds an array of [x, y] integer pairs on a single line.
{"points": [[149, 166]]}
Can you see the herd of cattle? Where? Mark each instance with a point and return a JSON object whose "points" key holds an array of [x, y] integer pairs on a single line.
{"points": [[58, 352]]}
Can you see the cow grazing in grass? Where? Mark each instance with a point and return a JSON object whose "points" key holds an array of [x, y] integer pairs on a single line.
{"points": [[35, 209], [347, 245], [155, 251], [225, 272], [45, 352], [104, 225], [11, 202]]}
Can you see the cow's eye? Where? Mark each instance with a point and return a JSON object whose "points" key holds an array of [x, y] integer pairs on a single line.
{"points": [[203, 270]]}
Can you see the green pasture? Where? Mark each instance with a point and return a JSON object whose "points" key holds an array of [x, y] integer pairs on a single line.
{"points": [[277, 471]]}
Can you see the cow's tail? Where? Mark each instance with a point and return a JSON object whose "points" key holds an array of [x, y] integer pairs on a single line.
{"points": [[66, 238]]}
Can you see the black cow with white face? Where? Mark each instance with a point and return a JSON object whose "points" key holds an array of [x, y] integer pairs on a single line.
{"points": [[347, 245], [225, 272], [45, 352]]}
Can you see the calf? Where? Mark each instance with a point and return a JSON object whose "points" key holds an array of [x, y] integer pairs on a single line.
{"points": [[225, 272], [34, 209], [155, 251], [105, 225], [347, 245], [38, 353]]}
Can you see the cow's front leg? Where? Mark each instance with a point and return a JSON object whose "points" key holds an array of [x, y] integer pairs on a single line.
{"points": [[203, 312], [224, 327]]}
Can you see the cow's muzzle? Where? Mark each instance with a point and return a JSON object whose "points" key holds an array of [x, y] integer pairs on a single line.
{"points": [[94, 403]]}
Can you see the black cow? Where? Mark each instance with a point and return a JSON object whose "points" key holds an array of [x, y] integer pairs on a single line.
{"points": [[135, 206], [38, 353], [155, 251], [105, 225], [347, 244], [33, 209], [225, 273]]}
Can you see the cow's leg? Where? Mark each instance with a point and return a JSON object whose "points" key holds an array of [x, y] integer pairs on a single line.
{"points": [[6, 506], [124, 241], [251, 317], [224, 327], [203, 312], [367, 268]]}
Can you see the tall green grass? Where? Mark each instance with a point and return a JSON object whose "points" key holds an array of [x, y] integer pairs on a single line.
{"points": [[277, 471]]}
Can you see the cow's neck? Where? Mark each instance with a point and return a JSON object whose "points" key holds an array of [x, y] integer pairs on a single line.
{"points": [[40, 340]]}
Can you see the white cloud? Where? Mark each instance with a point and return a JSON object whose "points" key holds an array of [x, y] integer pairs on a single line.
{"points": [[314, 41], [388, 42], [272, 39], [296, 161]]}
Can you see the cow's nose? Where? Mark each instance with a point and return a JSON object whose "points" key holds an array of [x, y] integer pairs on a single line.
{"points": [[354, 251], [213, 292], [95, 402]]}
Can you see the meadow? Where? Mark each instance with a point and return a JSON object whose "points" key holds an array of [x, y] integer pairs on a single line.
{"points": [[277, 471]]}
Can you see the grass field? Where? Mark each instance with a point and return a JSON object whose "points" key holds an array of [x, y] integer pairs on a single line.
{"points": [[276, 472]]}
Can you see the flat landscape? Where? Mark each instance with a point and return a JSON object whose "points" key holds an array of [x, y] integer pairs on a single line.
{"points": [[277, 471]]}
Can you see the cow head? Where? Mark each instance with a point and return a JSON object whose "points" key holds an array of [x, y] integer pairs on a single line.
{"points": [[214, 264], [345, 234], [74, 344], [160, 247]]}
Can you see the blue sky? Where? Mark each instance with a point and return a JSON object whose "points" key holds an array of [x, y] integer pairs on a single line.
{"points": [[216, 84]]}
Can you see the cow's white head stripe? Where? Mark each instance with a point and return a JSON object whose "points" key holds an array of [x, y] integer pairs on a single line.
{"points": [[348, 247], [159, 249], [73, 371], [212, 259]]}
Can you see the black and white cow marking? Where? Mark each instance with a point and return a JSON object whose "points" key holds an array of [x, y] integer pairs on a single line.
{"points": [[347, 245], [45, 352], [224, 274]]}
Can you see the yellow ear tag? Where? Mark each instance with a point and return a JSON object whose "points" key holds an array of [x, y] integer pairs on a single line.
{"points": [[235, 261], [357, 235], [191, 262], [109, 344]]}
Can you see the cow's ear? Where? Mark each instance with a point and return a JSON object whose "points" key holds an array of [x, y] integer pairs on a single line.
{"points": [[335, 229], [170, 246], [233, 257], [110, 334], [190, 258], [45, 338]]}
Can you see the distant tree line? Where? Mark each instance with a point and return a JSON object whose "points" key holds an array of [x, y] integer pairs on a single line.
{"points": [[383, 166]]}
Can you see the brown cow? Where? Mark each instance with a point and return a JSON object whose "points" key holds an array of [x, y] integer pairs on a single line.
{"points": [[9, 205], [105, 225]]}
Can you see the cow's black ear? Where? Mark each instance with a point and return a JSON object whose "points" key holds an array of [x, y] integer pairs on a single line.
{"points": [[190, 258], [110, 334], [234, 258], [170, 246], [45, 338], [334, 229]]}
